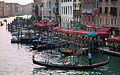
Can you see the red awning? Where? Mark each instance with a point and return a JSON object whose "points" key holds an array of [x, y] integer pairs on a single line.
{"points": [[77, 31], [52, 23], [114, 39], [42, 21], [70, 30], [104, 34], [103, 29], [41, 24], [57, 29]]}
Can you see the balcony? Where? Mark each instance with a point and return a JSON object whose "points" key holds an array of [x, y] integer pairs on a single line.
{"points": [[88, 11]]}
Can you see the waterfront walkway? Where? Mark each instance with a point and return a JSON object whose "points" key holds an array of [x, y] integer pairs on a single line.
{"points": [[106, 50]]}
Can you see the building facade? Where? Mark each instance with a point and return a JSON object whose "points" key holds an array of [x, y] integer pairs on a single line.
{"points": [[37, 8], [7, 10], [18, 9], [77, 12], [89, 12], [11, 9], [66, 11], [27, 7], [2, 9], [109, 15], [48, 12], [109, 12]]}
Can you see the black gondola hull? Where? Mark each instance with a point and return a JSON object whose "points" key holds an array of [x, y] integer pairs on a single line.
{"points": [[70, 67]]}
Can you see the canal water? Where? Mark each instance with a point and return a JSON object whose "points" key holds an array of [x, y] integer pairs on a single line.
{"points": [[16, 59]]}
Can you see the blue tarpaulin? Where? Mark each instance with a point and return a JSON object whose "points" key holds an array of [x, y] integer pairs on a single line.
{"points": [[30, 19], [90, 34]]}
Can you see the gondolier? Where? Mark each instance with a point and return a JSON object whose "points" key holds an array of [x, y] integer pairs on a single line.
{"points": [[90, 58]]}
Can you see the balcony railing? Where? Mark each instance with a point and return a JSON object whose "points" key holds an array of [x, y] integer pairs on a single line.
{"points": [[89, 11]]}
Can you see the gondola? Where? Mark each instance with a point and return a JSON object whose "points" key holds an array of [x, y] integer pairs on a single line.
{"points": [[70, 67], [50, 45], [56, 43]]}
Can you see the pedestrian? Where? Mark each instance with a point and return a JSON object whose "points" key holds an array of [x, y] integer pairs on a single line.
{"points": [[1, 23], [67, 63], [64, 62], [90, 58]]}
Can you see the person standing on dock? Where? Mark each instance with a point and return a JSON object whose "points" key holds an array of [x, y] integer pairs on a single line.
{"points": [[1, 24], [90, 58]]}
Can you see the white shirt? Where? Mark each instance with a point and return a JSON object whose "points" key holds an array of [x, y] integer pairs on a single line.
{"points": [[89, 55], [67, 63]]}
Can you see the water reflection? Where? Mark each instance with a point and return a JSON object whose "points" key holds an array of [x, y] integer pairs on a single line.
{"points": [[54, 71]]}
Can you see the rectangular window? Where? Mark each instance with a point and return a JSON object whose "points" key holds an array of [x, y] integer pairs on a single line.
{"points": [[113, 11], [106, 21], [68, 10], [96, 3], [114, 0], [82, 19], [75, 5], [85, 19], [64, 10], [100, 10], [100, 0], [89, 4], [82, 3], [85, 4], [71, 9], [79, 4], [111, 21], [114, 22], [106, 10], [92, 19], [106, 0], [89, 19], [79, 18], [92, 4], [96, 19], [100, 20]]}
